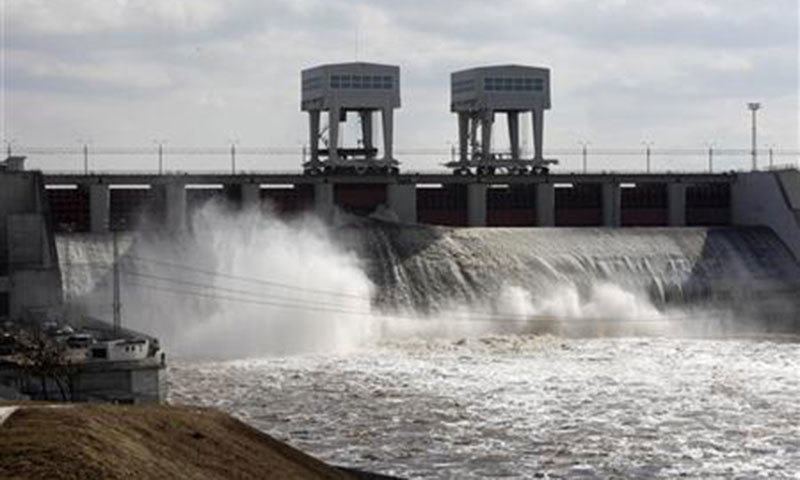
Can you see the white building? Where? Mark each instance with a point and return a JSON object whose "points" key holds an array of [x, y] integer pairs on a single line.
{"points": [[339, 89], [477, 94]]}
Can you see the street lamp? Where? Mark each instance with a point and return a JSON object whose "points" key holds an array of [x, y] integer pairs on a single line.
{"points": [[754, 107]]}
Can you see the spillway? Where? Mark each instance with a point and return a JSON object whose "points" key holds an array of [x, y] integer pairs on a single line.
{"points": [[429, 270], [422, 267]]}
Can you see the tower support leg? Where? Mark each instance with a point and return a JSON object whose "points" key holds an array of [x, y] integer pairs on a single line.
{"points": [[313, 137], [538, 133], [486, 135], [388, 126], [513, 134], [366, 130], [334, 116], [463, 137]]}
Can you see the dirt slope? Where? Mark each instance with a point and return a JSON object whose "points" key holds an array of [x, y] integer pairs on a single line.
{"points": [[145, 442]]}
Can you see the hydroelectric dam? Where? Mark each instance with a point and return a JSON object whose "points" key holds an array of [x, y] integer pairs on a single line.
{"points": [[498, 237]]}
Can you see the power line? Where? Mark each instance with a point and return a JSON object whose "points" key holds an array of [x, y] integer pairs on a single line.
{"points": [[507, 318], [265, 299], [254, 280], [224, 289], [261, 281]]}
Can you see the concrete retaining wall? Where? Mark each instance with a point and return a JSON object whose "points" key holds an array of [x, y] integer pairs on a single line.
{"points": [[770, 199]]}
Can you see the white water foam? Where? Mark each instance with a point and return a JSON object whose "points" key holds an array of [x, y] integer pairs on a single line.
{"points": [[170, 288]]}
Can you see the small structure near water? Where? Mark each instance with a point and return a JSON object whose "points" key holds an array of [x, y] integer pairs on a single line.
{"points": [[42, 355]]}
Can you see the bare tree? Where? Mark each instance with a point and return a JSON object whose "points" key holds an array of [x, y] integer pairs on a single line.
{"points": [[44, 357]]}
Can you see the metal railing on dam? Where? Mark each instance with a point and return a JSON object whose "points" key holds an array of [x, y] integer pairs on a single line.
{"points": [[170, 160]]}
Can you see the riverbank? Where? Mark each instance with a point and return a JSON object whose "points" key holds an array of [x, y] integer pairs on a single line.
{"points": [[114, 442]]}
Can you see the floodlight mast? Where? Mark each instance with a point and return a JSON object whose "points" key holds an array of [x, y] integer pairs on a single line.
{"points": [[754, 107]]}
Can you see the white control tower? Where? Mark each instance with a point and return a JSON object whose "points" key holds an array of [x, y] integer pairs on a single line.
{"points": [[477, 94], [362, 88]]}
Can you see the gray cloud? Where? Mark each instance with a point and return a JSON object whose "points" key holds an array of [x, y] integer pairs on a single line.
{"points": [[622, 69]]}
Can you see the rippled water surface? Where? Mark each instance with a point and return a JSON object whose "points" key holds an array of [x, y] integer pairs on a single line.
{"points": [[525, 407]]}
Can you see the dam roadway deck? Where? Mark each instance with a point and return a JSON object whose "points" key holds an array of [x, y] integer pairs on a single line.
{"points": [[101, 201], [97, 202]]}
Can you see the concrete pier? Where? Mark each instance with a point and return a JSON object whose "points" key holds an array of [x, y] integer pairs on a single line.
{"points": [[545, 205], [175, 198], [476, 205], [251, 195], [402, 200], [612, 205], [323, 201], [99, 208], [676, 198]]}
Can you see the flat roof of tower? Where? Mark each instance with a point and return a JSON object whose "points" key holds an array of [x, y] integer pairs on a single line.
{"points": [[510, 66], [351, 65]]}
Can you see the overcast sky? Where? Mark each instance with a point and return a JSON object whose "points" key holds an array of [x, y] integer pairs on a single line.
{"points": [[199, 72]]}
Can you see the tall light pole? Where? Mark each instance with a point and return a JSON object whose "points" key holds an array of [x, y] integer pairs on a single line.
{"points": [[754, 107], [233, 142], [84, 142], [710, 146], [160, 143], [584, 154], [647, 153], [771, 153]]}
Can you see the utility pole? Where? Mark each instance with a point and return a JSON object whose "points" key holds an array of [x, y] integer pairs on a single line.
{"points": [[754, 107], [8, 146], [116, 305], [771, 164]]}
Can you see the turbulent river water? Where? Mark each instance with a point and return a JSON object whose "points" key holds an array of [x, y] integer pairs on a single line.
{"points": [[470, 353], [526, 406]]}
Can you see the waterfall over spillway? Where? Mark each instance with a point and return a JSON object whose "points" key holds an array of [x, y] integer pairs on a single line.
{"points": [[283, 283], [423, 267]]}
